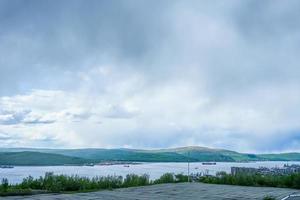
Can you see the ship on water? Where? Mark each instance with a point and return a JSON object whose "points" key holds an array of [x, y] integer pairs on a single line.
{"points": [[6, 166], [209, 163]]}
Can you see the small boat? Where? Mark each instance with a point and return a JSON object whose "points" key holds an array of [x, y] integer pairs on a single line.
{"points": [[209, 163], [125, 165], [6, 166], [89, 164]]}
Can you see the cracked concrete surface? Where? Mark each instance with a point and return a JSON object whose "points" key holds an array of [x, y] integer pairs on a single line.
{"points": [[179, 191]]}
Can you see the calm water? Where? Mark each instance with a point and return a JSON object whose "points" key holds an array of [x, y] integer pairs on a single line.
{"points": [[155, 170]]}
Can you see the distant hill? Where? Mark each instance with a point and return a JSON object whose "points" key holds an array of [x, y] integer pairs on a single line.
{"points": [[31, 156], [98, 155], [37, 158], [281, 157]]}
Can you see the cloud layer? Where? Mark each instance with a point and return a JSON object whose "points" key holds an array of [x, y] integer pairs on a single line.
{"points": [[150, 74]]}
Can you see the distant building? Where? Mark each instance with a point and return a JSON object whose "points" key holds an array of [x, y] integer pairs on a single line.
{"points": [[243, 170], [285, 170]]}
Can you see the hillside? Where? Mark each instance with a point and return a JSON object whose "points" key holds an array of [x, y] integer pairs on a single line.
{"points": [[23, 156], [123, 155], [37, 158], [281, 157], [209, 154]]}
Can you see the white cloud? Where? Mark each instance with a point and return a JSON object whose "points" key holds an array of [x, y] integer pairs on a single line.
{"points": [[167, 113], [197, 73]]}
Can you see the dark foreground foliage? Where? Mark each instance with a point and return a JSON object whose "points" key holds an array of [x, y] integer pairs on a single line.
{"points": [[269, 198], [285, 181], [62, 183]]}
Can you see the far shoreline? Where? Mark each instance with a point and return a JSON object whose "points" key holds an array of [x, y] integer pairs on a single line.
{"points": [[116, 163]]}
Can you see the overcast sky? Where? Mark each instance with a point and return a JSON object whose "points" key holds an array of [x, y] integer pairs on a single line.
{"points": [[150, 74]]}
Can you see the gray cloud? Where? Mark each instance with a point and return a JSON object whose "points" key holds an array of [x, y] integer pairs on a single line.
{"points": [[38, 121], [11, 117], [79, 34], [271, 19], [182, 71], [119, 112], [78, 117], [4, 136], [21, 117], [49, 38]]}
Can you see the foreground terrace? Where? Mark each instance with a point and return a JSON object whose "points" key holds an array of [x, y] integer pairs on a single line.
{"points": [[179, 191]]}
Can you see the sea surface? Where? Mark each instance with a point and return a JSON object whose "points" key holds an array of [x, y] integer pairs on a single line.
{"points": [[155, 170]]}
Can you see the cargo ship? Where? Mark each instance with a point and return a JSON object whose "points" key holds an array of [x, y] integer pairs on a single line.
{"points": [[6, 166], [209, 163]]}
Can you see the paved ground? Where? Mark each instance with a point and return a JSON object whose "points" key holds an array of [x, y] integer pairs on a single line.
{"points": [[180, 191]]}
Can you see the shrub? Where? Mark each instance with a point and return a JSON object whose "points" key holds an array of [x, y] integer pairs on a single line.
{"points": [[289, 181], [181, 178], [132, 180], [165, 178], [4, 185], [269, 198]]}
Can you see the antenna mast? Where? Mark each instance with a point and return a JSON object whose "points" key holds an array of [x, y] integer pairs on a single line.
{"points": [[188, 166]]}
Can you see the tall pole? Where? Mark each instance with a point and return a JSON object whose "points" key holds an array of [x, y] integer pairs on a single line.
{"points": [[188, 166]]}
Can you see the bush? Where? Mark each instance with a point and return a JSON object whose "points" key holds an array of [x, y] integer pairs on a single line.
{"points": [[58, 183], [181, 178], [132, 180], [4, 185], [289, 181], [165, 178], [269, 198]]}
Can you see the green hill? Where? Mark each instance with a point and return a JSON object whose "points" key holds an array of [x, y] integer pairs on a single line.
{"points": [[281, 157], [99, 155], [209, 154], [30, 156], [37, 158]]}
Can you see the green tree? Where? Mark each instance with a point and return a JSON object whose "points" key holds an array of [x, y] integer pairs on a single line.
{"points": [[4, 185]]}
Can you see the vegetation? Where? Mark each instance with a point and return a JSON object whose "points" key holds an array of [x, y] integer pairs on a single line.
{"points": [[269, 198], [281, 157], [37, 158], [165, 178], [171, 178], [8, 190], [125, 155], [25, 156], [62, 183], [288, 181], [4, 185]]}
